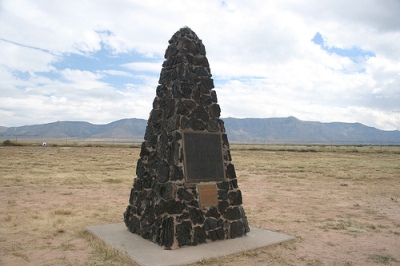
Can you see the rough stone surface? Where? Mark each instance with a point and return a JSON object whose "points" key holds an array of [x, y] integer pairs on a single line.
{"points": [[161, 207]]}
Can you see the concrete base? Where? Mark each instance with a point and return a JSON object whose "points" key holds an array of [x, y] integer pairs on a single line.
{"points": [[145, 252]]}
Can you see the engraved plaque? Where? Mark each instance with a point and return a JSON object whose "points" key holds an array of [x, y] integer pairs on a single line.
{"points": [[208, 194], [203, 156]]}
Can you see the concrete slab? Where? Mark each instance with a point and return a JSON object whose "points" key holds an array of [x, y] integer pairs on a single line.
{"points": [[145, 252]]}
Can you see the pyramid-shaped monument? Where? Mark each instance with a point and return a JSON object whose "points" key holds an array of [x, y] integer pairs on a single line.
{"points": [[186, 191]]}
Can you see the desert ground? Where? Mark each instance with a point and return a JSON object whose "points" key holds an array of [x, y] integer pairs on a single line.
{"points": [[342, 203]]}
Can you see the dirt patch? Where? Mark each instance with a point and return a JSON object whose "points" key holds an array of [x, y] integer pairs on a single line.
{"points": [[342, 207]]}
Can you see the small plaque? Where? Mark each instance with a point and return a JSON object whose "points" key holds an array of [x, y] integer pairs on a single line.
{"points": [[203, 156], [208, 194]]}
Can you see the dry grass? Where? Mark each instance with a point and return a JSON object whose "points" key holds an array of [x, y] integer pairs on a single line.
{"points": [[341, 203], [48, 196]]}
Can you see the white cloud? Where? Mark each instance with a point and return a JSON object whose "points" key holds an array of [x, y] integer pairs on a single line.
{"points": [[144, 66], [76, 75], [115, 73], [22, 58]]}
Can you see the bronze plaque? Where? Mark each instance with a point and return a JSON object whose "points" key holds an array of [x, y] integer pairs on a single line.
{"points": [[208, 194], [203, 156]]}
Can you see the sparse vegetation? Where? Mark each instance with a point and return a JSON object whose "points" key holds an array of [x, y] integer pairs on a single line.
{"points": [[63, 212], [60, 143], [384, 259], [330, 198], [113, 180], [7, 142]]}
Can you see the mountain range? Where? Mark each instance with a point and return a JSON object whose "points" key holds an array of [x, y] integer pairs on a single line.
{"points": [[246, 130]]}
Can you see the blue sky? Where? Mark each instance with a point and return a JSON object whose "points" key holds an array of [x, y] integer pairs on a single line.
{"points": [[99, 61], [354, 53]]}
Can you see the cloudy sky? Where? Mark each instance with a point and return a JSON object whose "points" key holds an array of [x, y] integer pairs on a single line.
{"points": [[99, 61]]}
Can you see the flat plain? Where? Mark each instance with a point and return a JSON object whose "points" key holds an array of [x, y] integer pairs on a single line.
{"points": [[342, 203]]}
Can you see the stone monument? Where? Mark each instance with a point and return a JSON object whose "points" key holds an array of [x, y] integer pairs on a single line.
{"points": [[186, 191]]}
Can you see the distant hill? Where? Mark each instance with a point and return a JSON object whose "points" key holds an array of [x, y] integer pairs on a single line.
{"points": [[126, 128], [247, 130], [291, 129]]}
